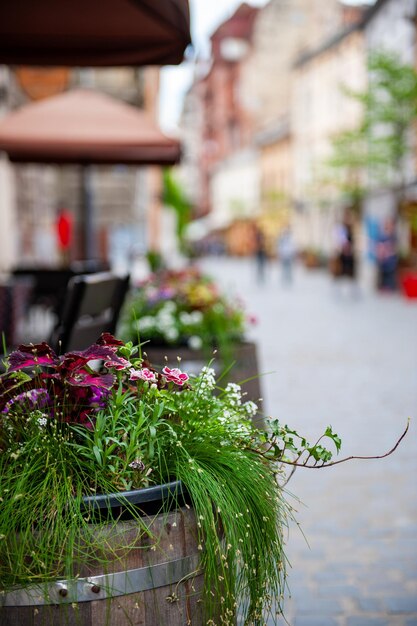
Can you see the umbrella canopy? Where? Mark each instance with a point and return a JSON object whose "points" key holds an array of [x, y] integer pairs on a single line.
{"points": [[94, 33], [85, 127]]}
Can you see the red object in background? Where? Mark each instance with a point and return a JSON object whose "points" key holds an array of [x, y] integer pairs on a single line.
{"points": [[64, 227], [409, 284]]}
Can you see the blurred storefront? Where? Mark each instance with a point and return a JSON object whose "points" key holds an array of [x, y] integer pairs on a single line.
{"points": [[122, 194]]}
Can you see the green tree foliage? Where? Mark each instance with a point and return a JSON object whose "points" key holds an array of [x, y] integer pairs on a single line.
{"points": [[175, 197], [375, 152], [348, 163]]}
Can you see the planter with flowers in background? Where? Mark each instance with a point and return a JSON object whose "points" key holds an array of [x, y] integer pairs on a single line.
{"points": [[183, 316]]}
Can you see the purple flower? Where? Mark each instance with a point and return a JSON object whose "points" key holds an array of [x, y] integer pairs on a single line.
{"points": [[98, 397], [29, 400], [74, 360], [85, 378], [32, 355], [162, 293], [166, 293], [109, 341]]}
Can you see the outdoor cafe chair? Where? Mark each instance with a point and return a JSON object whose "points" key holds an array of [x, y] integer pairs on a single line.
{"points": [[50, 283], [92, 306]]}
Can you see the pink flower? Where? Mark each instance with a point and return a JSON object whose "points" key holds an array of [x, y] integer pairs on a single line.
{"points": [[143, 374], [175, 375], [118, 363]]}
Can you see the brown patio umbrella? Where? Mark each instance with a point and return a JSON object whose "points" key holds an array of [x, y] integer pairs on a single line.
{"points": [[85, 127], [93, 32]]}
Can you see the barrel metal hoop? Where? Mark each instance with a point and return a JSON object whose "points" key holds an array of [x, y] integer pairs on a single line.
{"points": [[103, 586]]}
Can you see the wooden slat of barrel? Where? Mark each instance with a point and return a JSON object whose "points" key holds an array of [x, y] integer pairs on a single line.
{"points": [[179, 541], [175, 537]]}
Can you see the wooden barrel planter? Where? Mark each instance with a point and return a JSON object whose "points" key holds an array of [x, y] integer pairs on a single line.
{"points": [[155, 581], [243, 356]]}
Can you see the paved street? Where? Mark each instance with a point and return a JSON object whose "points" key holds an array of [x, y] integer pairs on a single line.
{"points": [[350, 362]]}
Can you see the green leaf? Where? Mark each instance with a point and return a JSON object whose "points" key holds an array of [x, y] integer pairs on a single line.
{"points": [[97, 454], [320, 454], [334, 437], [158, 410]]}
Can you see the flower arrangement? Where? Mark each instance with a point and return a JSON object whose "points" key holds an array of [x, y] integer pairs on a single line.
{"points": [[182, 308], [104, 420]]}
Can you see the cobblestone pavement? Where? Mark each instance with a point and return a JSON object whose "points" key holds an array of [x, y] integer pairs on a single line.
{"points": [[349, 361]]}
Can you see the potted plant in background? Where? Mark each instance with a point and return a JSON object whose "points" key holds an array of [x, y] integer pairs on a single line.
{"points": [[132, 494], [183, 314]]}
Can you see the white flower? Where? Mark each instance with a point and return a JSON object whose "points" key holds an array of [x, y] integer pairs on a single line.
{"points": [[171, 334], [145, 323], [165, 319], [195, 342], [234, 393], [196, 317], [251, 408], [169, 307], [185, 318], [208, 380]]}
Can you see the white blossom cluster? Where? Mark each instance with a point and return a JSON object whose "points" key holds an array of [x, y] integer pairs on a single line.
{"points": [[237, 410], [168, 322], [145, 324], [195, 342], [234, 394], [164, 321], [251, 408], [191, 319], [207, 379]]}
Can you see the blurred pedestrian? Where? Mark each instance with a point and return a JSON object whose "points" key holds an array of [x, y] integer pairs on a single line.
{"points": [[286, 254], [386, 256], [261, 255], [345, 259]]}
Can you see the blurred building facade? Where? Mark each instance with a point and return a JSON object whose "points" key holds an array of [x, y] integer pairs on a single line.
{"points": [[224, 153], [246, 104], [320, 110], [281, 31], [286, 76], [275, 147]]}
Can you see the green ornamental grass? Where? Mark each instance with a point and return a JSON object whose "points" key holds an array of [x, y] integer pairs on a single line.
{"points": [[104, 421]]}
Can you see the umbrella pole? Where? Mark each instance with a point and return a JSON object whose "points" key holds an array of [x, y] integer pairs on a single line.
{"points": [[88, 246]]}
